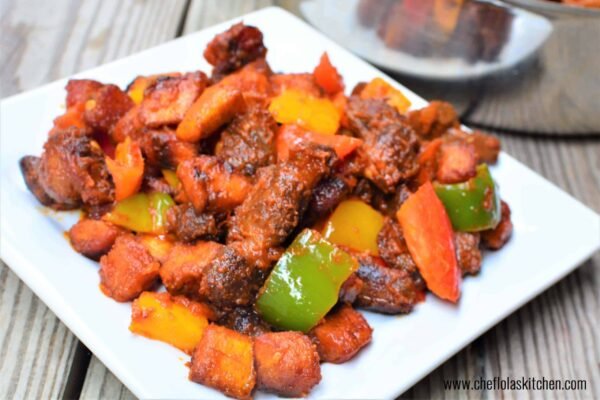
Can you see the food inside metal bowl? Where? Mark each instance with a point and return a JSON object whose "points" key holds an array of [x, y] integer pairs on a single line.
{"points": [[471, 30]]}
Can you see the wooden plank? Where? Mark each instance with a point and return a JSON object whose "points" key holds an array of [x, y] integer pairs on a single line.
{"points": [[42, 41]]}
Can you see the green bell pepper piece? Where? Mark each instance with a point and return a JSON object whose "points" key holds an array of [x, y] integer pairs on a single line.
{"points": [[473, 205], [142, 212], [305, 283]]}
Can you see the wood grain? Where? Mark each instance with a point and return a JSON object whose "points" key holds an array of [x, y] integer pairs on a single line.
{"points": [[555, 336], [42, 41]]}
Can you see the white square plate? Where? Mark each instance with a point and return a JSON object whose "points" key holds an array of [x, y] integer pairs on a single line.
{"points": [[553, 234]]}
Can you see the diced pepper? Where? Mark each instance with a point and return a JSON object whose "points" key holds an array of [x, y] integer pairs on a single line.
{"points": [[290, 136], [177, 321], [305, 283], [312, 113], [430, 240], [127, 169], [216, 105], [142, 212], [354, 224], [473, 205], [380, 89], [171, 178], [327, 76]]}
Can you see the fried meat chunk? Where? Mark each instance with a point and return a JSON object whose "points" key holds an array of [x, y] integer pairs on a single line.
{"points": [[234, 48], [390, 144], [93, 238], [286, 363], [128, 269], [209, 271], [341, 335], [224, 360], [386, 290], [274, 205], [71, 171], [248, 142], [211, 185]]}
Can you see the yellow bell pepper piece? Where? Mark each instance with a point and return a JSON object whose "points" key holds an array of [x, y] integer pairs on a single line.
{"points": [[380, 89], [315, 114], [354, 224], [177, 321]]}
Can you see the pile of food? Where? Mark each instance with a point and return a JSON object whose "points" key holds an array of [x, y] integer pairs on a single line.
{"points": [[467, 29], [270, 206]]}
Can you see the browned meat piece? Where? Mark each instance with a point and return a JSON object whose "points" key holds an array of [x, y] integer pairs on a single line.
{"points": [[325, 198], [467, 252], [106, 107], [93, 238], [393, 249], [182, 272], [166, 102], [30, 171], [274, 204], [434, 119], [162, 149], [386, 290], [390, 143], [130, 125], [487, 147], [128, 269], [496, 238], [244, 320], [341, 335], [249, 141], [351, 289], [71, 170], [81, 90], [456, 162], [400, 196], [209, 271], [234, 48], [152, 183], [253, 81], [366, 191], [188, 225], [305, 83], [224, 360], [209, 184], [286, 363]]}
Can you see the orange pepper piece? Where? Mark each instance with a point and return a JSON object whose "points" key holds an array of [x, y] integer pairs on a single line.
{"points": [[327, 76], [127, 169], [174, 320], [312, 113], [430, 241], [380, 89]]}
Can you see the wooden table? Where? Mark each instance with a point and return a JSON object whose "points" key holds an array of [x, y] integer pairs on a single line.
{"points": [[554, 336]]}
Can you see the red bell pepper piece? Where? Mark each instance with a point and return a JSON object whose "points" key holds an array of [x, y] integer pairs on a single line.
{"points": [[127, 169], [291, 136], [430, 241], [327, 76]]}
